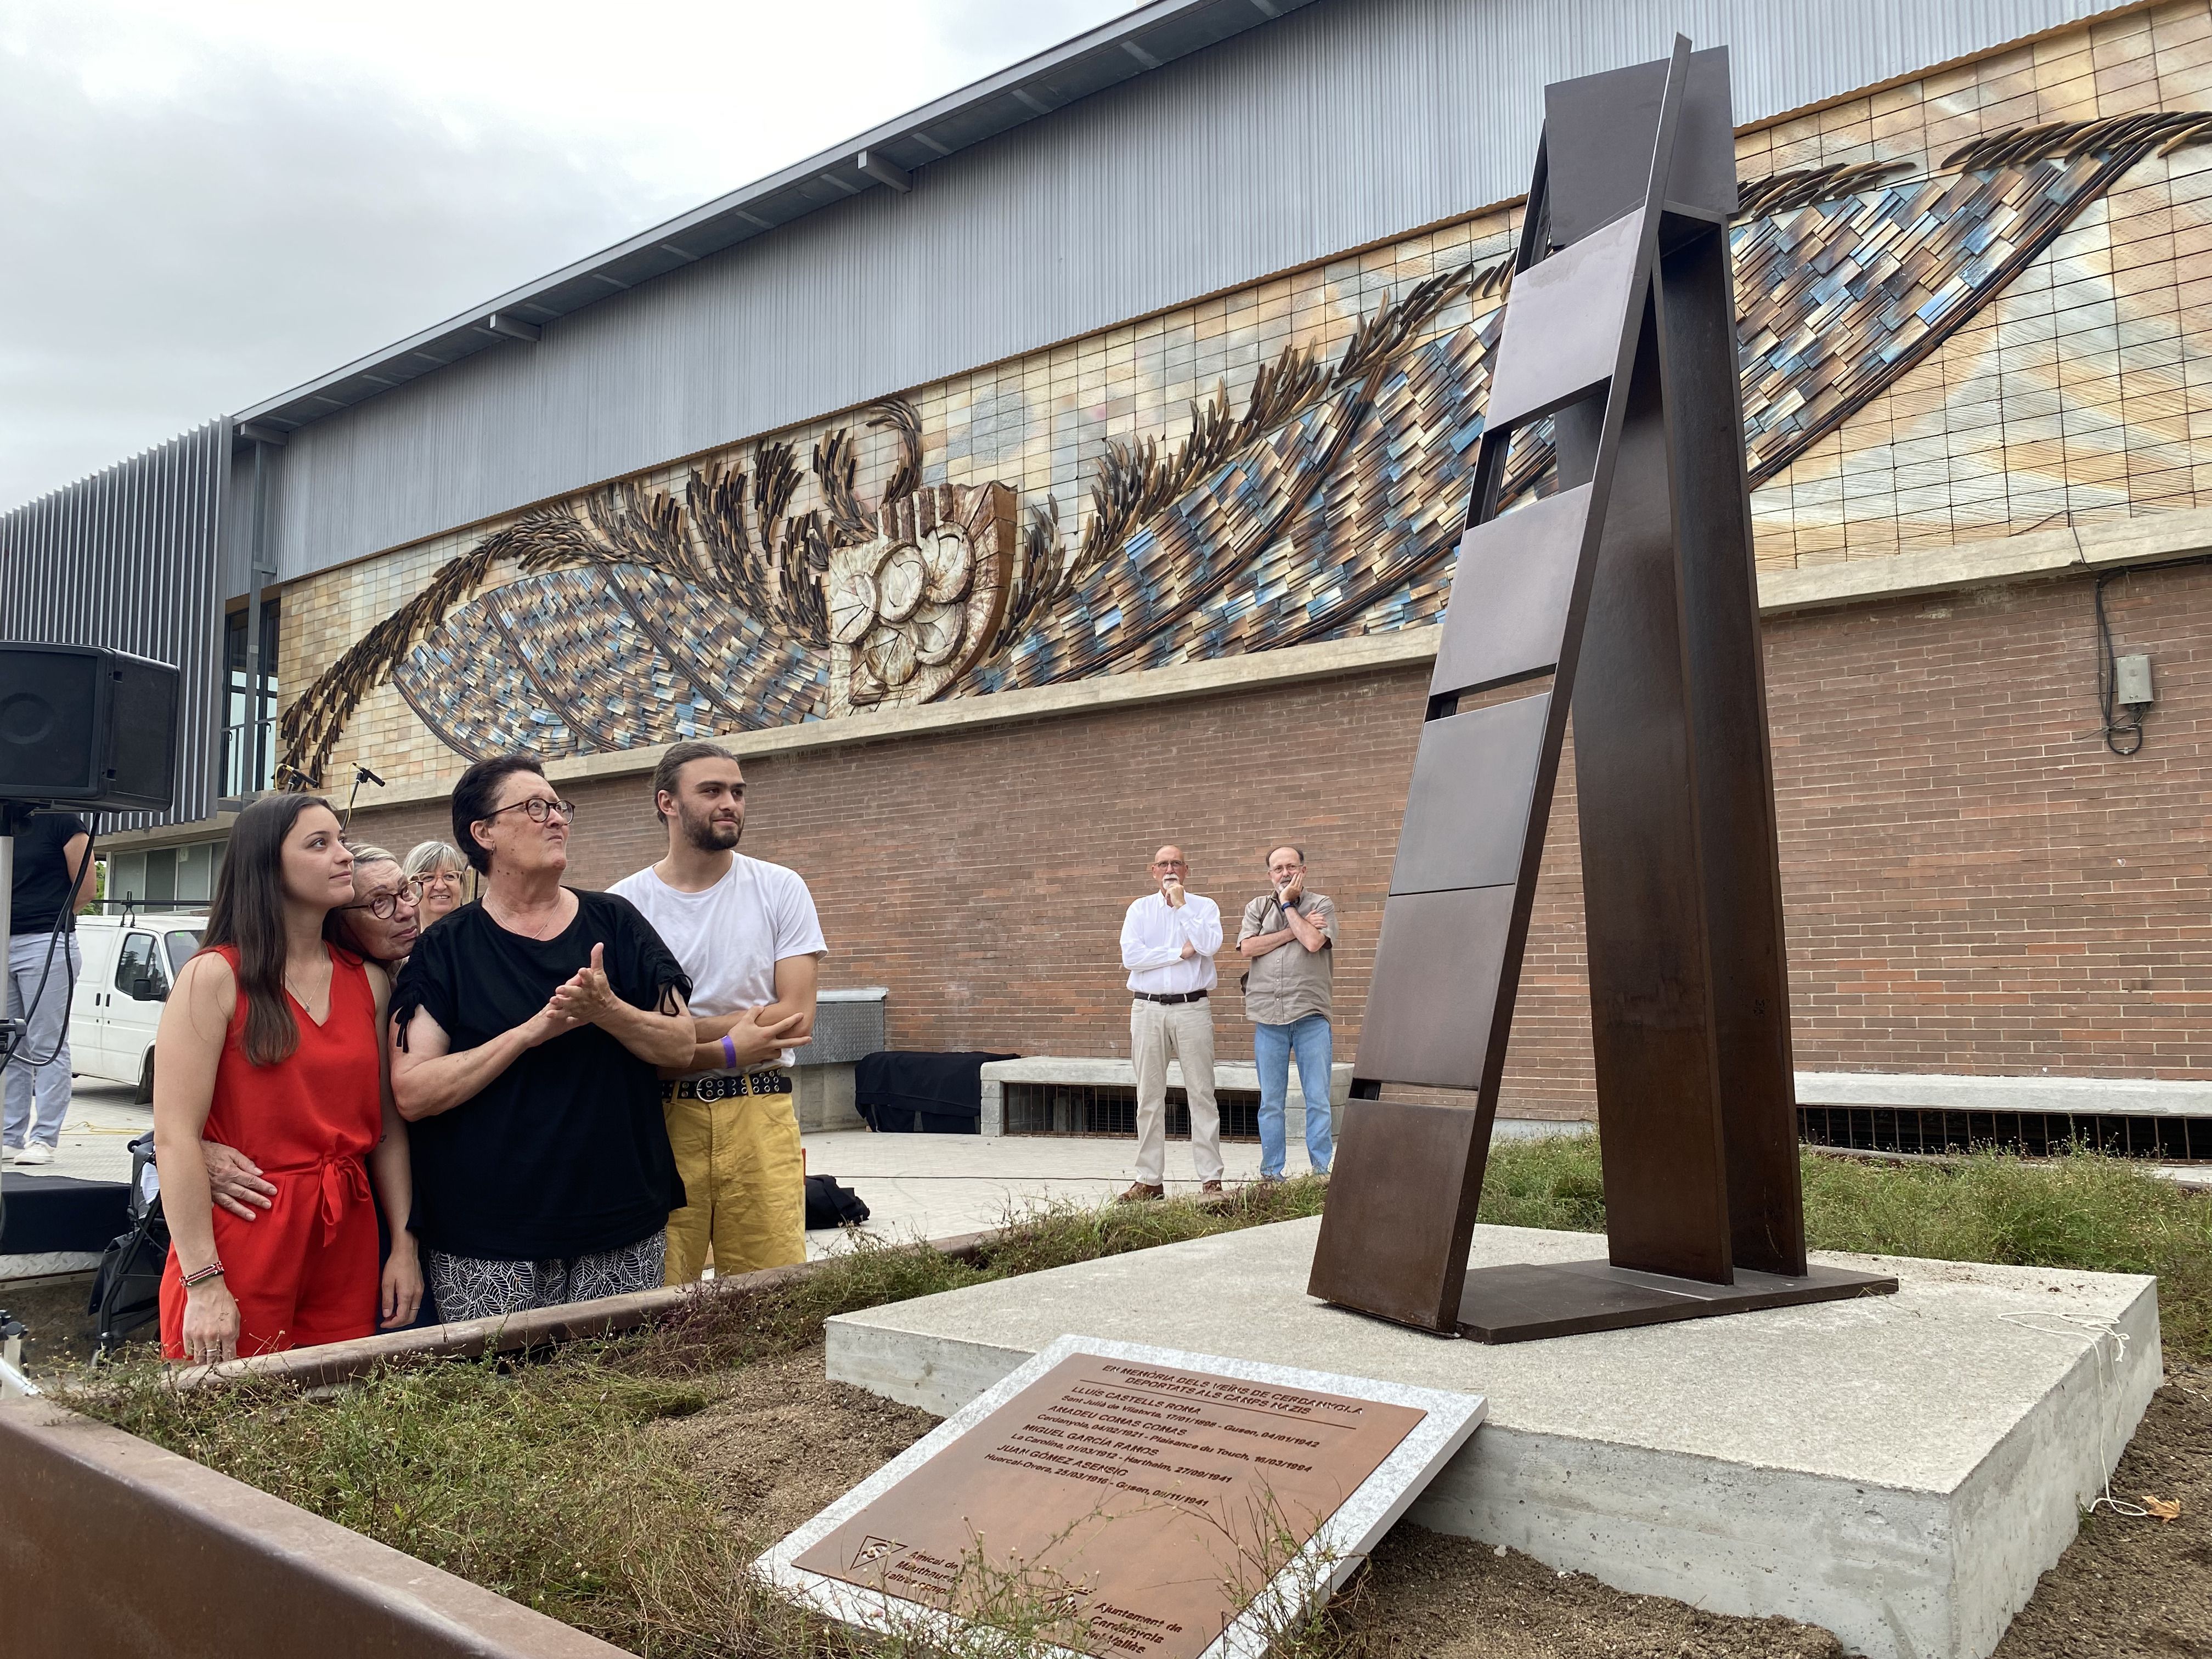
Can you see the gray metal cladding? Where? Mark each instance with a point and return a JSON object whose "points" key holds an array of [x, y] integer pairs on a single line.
{"points": [[1336, 126], [129, 558]]}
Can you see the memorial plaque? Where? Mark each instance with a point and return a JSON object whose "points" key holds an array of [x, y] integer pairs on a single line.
{"points": [[1129, 1503]]}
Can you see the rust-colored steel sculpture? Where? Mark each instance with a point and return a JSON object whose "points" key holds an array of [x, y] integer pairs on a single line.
{"points": [[1628, 594]]}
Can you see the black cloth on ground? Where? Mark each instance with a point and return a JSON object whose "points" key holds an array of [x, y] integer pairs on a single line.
{"points": [[41, 888], [565, 1153], [921, 1092]]}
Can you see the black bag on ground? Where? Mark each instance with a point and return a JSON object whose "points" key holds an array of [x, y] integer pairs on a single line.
{"points": [[126, 1293], [828, 1204]]}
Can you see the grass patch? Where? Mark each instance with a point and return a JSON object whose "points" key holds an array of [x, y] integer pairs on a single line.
{"points": [[542, 1479], [2085, 1211]]}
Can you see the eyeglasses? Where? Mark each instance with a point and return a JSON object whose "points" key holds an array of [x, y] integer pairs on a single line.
{"points": [[430, 879], [385, 906], [538, 807]]}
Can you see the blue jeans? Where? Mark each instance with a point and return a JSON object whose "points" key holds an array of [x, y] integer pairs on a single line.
{"points": [[1271, 1047]]}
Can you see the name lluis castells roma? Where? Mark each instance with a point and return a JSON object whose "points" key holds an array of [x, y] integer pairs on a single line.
{"points": [[1143, 1504]]}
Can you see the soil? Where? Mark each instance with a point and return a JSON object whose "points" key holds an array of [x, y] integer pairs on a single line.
{"points": [[785, 1442], [1427, 1597], [57, 1332]]}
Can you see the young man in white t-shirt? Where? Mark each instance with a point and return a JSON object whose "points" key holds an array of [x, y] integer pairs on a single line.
{"points": [[747, 934]]}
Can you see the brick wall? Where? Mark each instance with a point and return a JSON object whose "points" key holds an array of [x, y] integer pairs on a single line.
{"points": [[1974, 883]]}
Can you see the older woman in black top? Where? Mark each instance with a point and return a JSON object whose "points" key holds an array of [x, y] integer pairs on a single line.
{"points": [[526, 1029]]}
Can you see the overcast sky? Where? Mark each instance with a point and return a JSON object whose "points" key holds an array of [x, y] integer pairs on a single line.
{"points": [[204, 204]]}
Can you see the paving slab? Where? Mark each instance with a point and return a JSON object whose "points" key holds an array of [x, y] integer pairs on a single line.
{"points": [[1899, 1469]]}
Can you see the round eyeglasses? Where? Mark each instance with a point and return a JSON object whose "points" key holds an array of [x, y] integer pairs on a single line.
{"points": [[538, 807], [385, 906]]}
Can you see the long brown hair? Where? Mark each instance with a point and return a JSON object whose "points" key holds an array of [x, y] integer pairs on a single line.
{"points": [[248, 914]]}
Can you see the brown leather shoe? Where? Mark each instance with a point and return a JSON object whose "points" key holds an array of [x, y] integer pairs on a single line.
{"points": [[1212, 1187], [1141, 1194]]}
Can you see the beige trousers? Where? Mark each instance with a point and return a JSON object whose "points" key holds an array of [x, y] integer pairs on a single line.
{"points": [[1182, 1031]]}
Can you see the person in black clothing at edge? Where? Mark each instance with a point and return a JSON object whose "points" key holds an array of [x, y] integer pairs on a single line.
{"points": [[526, 1030], [49, 880]]}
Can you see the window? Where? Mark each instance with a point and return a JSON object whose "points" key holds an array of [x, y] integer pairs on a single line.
{"points": [[240, 718], [181, 943], [138, 972]]}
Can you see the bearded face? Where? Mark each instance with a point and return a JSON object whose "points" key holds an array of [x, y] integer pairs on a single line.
{"points": [[712, 827]]}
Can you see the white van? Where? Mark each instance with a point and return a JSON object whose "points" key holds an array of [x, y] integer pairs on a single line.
{"points": [[129, 963]]}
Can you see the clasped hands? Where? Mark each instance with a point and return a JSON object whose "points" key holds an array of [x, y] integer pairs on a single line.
{"points": [[585, 999]]}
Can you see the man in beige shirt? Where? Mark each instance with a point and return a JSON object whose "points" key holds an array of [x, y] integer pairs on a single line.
{"points": [[1286, 936]]}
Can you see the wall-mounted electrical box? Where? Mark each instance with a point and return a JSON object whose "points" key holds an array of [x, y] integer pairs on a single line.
{"points": [[2131, 682]]}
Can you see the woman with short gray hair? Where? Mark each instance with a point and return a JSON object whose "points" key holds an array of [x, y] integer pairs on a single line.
{"points": [[437, 869], [382, 921]]}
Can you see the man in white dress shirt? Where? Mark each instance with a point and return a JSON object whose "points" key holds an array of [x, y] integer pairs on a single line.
{"points": [[1168, 939]]}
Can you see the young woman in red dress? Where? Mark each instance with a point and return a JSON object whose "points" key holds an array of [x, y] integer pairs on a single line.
{"points": [[271, 1045]]}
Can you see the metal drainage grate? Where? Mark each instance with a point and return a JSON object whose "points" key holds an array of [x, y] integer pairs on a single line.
{"points": [[2033, 1134], [1093, 1108]]}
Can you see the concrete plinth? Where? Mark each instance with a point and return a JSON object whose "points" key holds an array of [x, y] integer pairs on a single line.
{"points": [[822, 1098], [1899, 1469]]}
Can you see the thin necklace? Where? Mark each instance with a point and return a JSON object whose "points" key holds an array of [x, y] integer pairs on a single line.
{"points": [[303, 1000], [518, 926]]}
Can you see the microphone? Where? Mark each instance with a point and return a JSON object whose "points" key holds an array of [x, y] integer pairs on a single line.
{"points": [[362, 774]]}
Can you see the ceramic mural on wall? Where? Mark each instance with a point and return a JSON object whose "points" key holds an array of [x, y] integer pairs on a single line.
{"points": [[1326, 502]]}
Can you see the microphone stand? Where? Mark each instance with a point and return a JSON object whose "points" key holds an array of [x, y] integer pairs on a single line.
{"points": [[360, 775]]}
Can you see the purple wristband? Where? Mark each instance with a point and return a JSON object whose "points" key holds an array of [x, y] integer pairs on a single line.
{"points": [[729, 1053]]}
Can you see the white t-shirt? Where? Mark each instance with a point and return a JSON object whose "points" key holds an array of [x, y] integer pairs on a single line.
{"points": [[729, 937]]}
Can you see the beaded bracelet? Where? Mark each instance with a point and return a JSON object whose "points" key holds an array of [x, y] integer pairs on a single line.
{"points": [[213, 1270]]}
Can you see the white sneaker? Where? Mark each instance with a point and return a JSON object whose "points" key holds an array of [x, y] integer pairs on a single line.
{"points": [[35, 1153], [8, 1154]]}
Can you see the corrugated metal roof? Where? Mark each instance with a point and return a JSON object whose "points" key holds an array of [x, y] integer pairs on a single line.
{"points": [[1119, 51], [1342, 127]]}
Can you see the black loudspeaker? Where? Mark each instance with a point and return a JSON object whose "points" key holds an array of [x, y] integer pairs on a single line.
{"points": [[84, 726]]}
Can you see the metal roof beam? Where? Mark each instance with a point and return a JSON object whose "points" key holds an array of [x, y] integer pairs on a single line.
{"points": [[884, 170]]}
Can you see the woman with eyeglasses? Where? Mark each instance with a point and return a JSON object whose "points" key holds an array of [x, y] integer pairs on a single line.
{"points": [[382, 921], [438, 872], [270, 1045], [527, 1029]]}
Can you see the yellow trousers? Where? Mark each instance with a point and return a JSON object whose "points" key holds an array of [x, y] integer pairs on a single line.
{"points": [[744, 1179]]}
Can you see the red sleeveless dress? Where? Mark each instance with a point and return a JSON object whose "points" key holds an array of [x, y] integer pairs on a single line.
{"points": [[306, 1271]]}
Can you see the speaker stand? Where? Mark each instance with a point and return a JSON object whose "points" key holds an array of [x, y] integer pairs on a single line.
{"points": [[12, 814]]}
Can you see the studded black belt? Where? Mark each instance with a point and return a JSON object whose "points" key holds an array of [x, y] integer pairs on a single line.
{"points": [[769, 1080]]}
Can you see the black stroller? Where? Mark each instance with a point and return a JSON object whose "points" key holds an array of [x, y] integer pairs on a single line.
{"points": [[127, 1293]]}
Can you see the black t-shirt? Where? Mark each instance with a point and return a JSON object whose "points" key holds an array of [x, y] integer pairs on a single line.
{"points": [[565, 1152], [41, 888]]}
